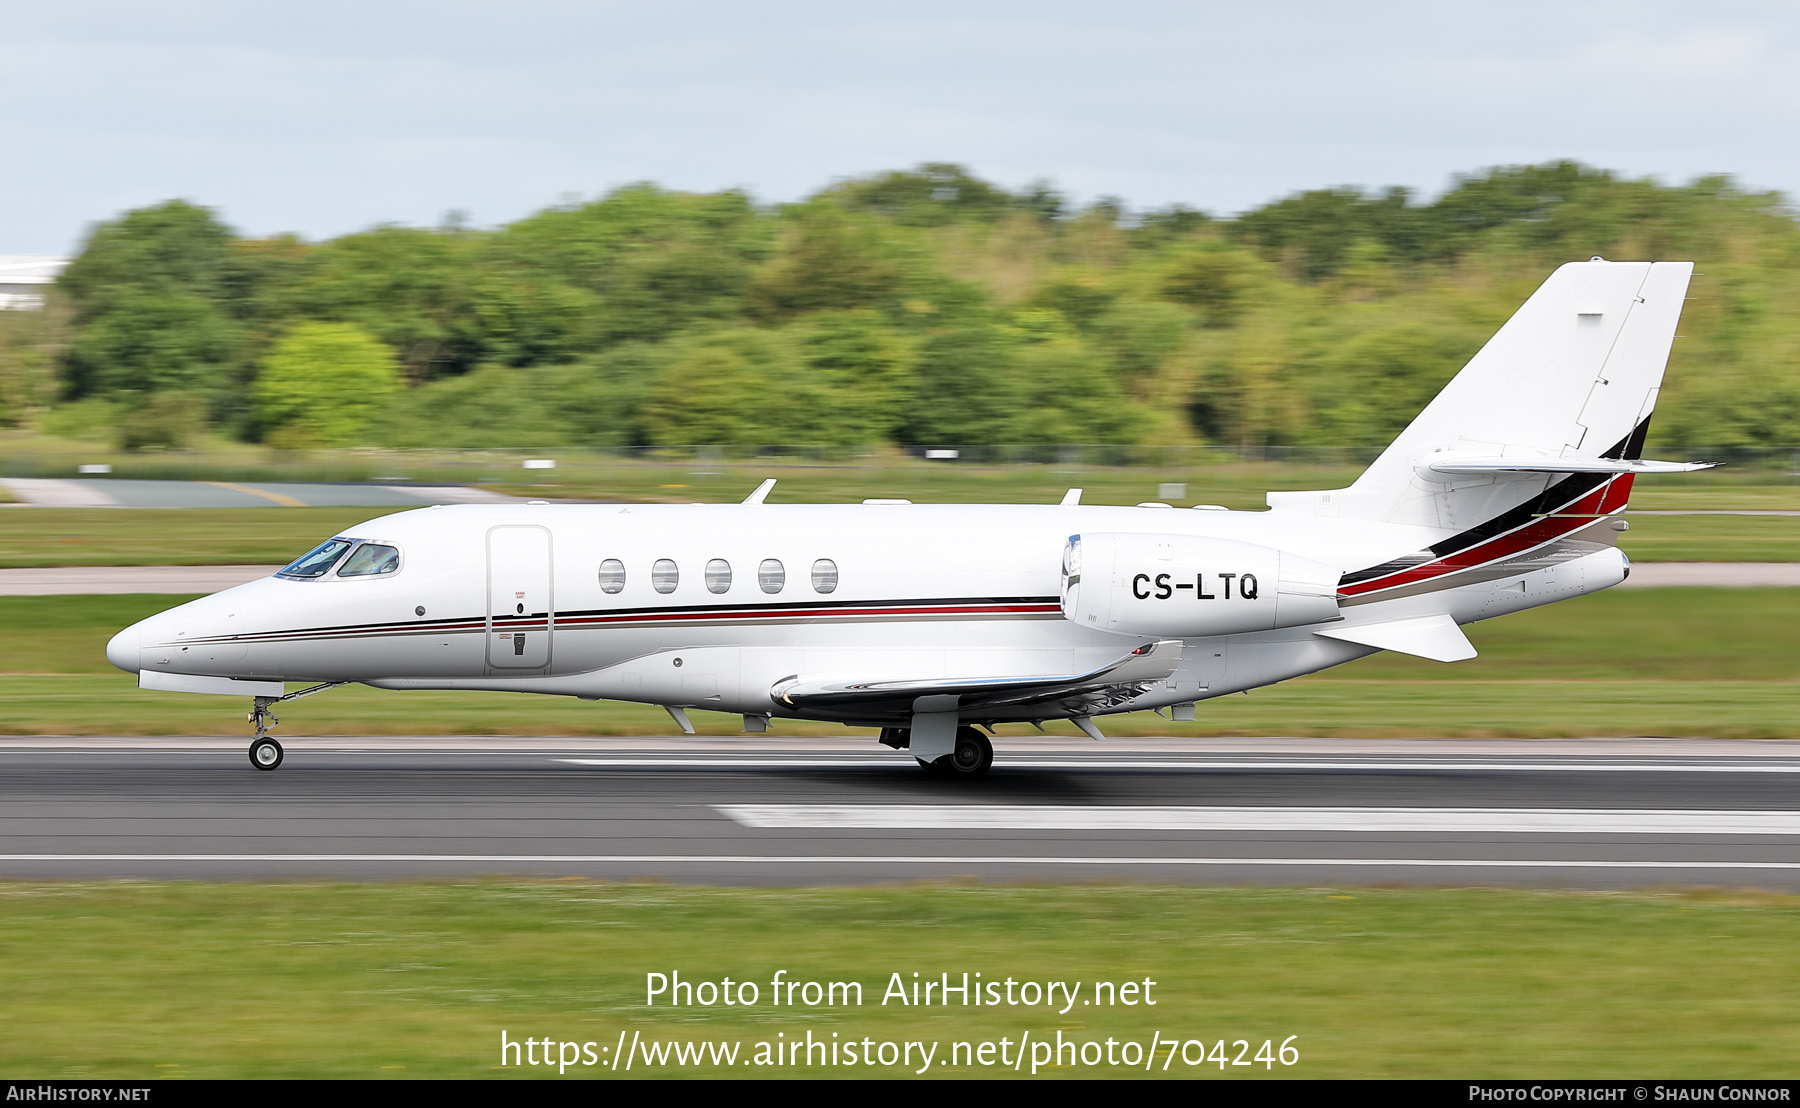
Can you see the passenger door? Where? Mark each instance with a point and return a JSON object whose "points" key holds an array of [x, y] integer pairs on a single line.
{"points": [[521, 610]]}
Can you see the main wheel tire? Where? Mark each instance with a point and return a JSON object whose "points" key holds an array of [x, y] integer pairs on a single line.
{"points": [[972, 755], [265, 753]]}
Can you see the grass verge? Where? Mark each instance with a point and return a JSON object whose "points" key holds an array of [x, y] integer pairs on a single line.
{"points": [[102, 705], [419, 979], [32, 537], [1712, 539]]}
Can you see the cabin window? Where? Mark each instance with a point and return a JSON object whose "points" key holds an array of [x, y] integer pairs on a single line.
{"points": [[612, 576], [664, 576], [770, 575], [718, 575], [824, 575], [371, 558], [317, 561]]}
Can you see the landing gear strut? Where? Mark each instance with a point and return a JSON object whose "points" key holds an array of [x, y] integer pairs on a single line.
{"points": [[265, 752], [971, 756]]}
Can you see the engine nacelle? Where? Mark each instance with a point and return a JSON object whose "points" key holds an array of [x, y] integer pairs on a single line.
{"points": [[1181, 586]]}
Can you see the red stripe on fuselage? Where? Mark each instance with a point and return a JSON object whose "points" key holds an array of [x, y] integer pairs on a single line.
{"points": [[600, 619], [810, 613], [1604, 500]]}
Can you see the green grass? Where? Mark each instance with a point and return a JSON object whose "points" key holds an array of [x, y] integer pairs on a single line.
{"points": [[1679, 661], [102, 705], [419, 979], [1233, 484], [1712, 539], [218, 536]]}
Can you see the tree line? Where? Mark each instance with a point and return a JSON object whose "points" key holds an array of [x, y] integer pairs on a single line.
{"points": [[912, 307]]}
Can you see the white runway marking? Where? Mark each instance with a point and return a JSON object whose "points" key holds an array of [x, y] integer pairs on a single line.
{"points": [[1028, 762], [904, 859], [1018, 817]]}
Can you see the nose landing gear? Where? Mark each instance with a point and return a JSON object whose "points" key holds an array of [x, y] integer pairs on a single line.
{"points": [[265, 752]]}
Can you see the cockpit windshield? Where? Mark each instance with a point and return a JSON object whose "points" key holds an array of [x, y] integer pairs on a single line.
{"points": [[371, 558], [318, 561]]}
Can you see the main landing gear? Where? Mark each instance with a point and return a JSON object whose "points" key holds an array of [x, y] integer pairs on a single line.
{"points": [[971, 757], [265, 752]]}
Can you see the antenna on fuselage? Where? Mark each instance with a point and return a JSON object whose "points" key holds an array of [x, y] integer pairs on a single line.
{"points": [[1071, 498], [762, 492]]}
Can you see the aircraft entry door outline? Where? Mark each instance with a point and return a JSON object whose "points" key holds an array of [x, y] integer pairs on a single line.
{"points": [[521, 612]]}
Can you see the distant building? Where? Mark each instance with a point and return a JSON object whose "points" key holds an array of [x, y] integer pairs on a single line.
{"points": [[24, 277]]}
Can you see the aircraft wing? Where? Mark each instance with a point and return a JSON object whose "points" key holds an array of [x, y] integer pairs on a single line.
{"points": [[877, 696]]}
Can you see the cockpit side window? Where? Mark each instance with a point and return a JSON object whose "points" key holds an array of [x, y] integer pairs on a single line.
{"points": [[370, 559], [318, 561]]}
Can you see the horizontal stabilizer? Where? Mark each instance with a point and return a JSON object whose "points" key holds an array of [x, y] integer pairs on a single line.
{"points": [[1095, 690], [1434, 637], [1454, 465]]}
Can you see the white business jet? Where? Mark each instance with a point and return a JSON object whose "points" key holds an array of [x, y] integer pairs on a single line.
{"points": [[931, 622]]}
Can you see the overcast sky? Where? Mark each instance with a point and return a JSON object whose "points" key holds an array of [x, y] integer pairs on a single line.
{"points": [[326, 117]]}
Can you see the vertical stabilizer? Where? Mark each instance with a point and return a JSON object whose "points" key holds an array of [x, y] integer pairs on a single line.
{"points": [[1572, 375]]}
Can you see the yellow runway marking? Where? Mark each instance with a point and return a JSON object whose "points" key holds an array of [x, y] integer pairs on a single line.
{"points": [[279, 498]]}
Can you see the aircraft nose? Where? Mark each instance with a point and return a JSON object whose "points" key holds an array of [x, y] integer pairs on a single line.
{"points": [[123, 650]]}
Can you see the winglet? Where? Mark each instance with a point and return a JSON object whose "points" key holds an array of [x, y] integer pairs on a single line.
{"points": [[679, 715], [1435, 637], [1071, 498], [761, 494]]}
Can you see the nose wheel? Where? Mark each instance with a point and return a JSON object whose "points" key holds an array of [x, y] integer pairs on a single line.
{"points": [[265, 753]]}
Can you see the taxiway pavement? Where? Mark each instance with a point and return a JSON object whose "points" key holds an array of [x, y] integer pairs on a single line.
{"points": [[106, 492], [766, 811]]}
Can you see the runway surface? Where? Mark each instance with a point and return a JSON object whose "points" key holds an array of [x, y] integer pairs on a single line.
{"points": [[1597, 813]]}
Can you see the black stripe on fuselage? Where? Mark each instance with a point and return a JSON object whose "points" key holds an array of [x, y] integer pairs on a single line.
{"points": [[1559, 494], [692, 611]]}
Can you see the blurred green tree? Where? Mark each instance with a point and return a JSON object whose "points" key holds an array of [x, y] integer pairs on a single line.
{"points": [[32, 344], [406, 286], [160, 297], [935, 194], [829, 258], [655, 262], [738, 386], [323, 384], [859, 375], [919, 306]]}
